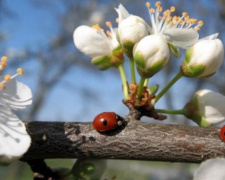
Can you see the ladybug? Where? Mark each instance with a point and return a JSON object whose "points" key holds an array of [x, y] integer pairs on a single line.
{"points": [[107, 121], [222, 133]]}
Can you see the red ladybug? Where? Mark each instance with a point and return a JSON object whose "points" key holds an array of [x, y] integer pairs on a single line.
{"points": [[106, 121], [222, 133]]}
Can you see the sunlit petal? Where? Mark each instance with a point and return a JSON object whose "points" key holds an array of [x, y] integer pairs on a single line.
{"points": [[91, 42], [16, 95], [182, 38]]}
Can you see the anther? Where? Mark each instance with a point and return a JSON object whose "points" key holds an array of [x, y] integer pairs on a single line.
{"points": [[108, 24], [3, 64], [158, 3], [172, 8], [20, 71], [152, 10], [7, 78], [200, 23], [4, 58], [97, 26], [148, 4], [2, 86]]}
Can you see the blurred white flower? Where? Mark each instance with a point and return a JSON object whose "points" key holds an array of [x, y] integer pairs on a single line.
{"points": [[206, 108], [203, 58], [14, 140], [212, 169]]}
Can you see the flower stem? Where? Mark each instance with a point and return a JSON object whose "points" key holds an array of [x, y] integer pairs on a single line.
{"points": [[124, 81], [146, 82], [170, 111], [140, 87], [132, 70], [169, 85]]}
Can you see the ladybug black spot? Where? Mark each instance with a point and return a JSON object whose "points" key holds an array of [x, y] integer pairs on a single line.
{"points": [[104, 122]]}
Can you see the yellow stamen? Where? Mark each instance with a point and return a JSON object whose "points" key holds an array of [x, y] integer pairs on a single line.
{"points": [[200, 23], [20, 71], [158, 3], [108, 24], [2, 86], [148, 4], [117, 20], [159, 9], [97, 26], [4, 58], [172, 8], [7, 78], [3, 64], [109, 34], [152, 10]]}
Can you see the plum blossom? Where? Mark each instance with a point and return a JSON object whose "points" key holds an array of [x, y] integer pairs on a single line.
{"points": [[14, 140]]}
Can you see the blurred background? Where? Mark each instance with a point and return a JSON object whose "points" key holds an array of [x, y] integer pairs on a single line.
{"points": [[38, 36]]}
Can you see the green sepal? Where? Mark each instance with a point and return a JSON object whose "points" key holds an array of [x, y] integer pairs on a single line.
{"points": [[192, 112], [153, 89], [192, 71], [188, 54], [103, 62], [147, 72], [175, 50], [117, 56], [128, 48]]}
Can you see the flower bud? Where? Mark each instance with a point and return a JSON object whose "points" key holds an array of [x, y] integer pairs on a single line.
{"points": [[130, 31], [151, 55], [206, 108], [203, 58]]}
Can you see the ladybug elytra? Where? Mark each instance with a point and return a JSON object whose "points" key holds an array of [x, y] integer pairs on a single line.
{"points": [[106, 121], [222, 133]]}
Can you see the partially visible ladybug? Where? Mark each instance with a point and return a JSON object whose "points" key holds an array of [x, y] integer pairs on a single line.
{"points": [[222, 133], [107, 121]]}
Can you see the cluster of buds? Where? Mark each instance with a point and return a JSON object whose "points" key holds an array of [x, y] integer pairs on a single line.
{"points": [[148, 47]]}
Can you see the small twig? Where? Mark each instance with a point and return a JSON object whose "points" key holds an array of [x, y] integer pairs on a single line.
{"points": [[41, 170]]}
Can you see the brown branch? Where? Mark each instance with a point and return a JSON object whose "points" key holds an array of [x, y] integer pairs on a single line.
{"points": [[138, 141]]}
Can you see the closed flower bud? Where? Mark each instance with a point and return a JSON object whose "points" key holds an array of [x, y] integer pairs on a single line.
{"points": [[151, 55], [131, 30], [203, 59], [206, 108]]}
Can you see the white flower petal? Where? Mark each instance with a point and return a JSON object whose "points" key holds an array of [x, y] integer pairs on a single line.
{"points": [[132, 29], [122, 12], [210, 37], [14, 140], [16, 95], [212, 169], [91, 42], [182, 38], [211, 106]]}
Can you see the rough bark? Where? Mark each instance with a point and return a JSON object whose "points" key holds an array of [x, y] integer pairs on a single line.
{"points": [[138, 141]]}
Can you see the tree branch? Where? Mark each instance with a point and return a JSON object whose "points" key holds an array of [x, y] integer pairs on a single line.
{"points": [[138, 141]]}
